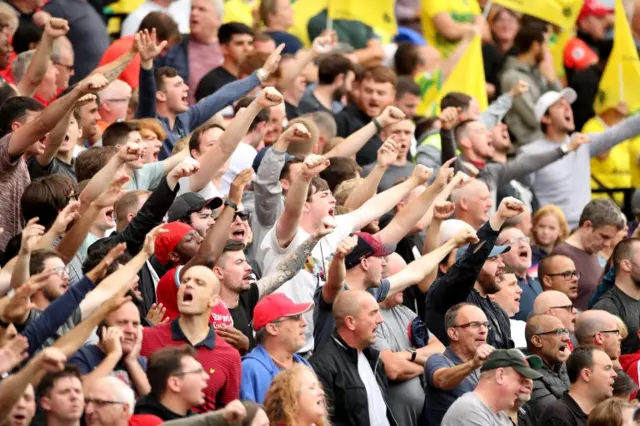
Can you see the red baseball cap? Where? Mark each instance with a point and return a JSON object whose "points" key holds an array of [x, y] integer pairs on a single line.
{"points": [[593, 8], [167, 241], [274, 306]]}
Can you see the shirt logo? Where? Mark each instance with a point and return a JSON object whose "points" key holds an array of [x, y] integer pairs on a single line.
{"points": [[212, 370]]}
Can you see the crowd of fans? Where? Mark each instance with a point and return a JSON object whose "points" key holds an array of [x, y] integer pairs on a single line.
{"points": [[212, 223]]}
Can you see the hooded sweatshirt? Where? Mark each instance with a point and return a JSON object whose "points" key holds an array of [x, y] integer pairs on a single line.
{"points": [[258, 371], [150, 412]]}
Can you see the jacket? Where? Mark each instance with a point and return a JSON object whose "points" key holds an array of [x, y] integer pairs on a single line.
{"points": [[337, 368], [521, 118], [150, 412], [549, 388], [456, 286], [258, 371]]}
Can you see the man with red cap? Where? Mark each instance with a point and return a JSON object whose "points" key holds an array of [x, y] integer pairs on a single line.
{"points": [[176, 246], [279, 325]]}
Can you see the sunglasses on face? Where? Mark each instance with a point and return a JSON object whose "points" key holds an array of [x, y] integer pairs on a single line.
{"points": [[245, 216]]}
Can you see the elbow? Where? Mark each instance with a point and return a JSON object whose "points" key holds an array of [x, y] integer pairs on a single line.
{"points": [[392, 372]]}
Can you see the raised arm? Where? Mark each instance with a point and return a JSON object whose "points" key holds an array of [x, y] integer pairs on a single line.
{"points": [[33, 131], [622, 131], [149, 50], [321, 45], [113, 69], [354, 142], [441, 212], [338, 270], [367, 188], [37, 69], [216, 156], [31, 233], [288, 224]]}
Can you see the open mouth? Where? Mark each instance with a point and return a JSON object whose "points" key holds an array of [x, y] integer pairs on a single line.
{"points": [[563, 348], [19, 418], [187, 297], [517, 300], [184, 97], [523, 253], [332, 211], [238, 235]]}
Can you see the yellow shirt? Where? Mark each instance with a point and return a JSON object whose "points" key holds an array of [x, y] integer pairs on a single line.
{"points": [[239, 11], [615, 170], [459, 10]]}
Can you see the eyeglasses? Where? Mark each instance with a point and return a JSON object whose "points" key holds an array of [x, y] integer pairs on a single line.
{"points": [[118, 100], [474, 324], [243, 215], [566, 275], [517, 241], [569, 308], [616, 332], [288, 318], [557, 332], [184, 373], [101, 402], [69, 68], [60, 270]]}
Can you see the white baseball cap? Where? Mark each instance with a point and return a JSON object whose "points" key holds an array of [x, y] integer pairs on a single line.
{"points": [[550, 98]]}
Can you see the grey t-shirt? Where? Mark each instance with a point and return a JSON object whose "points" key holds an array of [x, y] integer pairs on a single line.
{"points": [[470, 410], [391, 175], [405, 398], [323, 322], [626, 307]]}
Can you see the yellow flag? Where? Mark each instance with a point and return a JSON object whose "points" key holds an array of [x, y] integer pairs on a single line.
{"points": [[303, 11], [238, 11], [571, 10], [547, 10], [467, 77], [378, 14], [622, 73]]}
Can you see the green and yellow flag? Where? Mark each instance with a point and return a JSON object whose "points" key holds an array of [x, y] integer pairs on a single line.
{"points": [[303, 11], [622, 73], [378, 14]]}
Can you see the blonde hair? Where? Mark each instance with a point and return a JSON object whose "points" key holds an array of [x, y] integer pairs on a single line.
{"points": [[281, 402], [550, 209], [344, 189], [609, 412], [152, 125]]}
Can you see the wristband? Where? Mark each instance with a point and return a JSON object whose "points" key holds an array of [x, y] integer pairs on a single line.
{"points": [[413, 354], [262, 74], [231, 204], [377, 124], [565, 148]]}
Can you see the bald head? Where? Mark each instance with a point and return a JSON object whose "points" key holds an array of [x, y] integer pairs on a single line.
{"points": [[591, 322], [548, 300], [540, 324], [350, 303], [468, 190], [473, 203]]}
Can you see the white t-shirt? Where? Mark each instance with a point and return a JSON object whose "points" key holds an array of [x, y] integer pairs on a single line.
{"points": [[242, 158], [517, 333], [302, 287], [208, 192], [375, 401]]}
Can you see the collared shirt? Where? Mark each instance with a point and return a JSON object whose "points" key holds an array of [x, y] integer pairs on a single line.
{"points": [[563, 412], [219, 359], [530, 290]]}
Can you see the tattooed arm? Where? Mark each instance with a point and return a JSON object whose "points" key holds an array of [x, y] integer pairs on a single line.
{"points": [[293, 263], [113, 69]]}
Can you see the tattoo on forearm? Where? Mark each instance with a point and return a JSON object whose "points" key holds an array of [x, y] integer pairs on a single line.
{"points": [[115, 72], [287, 268]]}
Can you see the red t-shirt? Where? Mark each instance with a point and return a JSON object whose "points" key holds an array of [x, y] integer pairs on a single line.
{"points": [[220, 360], [131, 74]]}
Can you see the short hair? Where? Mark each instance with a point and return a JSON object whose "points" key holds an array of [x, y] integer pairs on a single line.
{"points": [[451, 316], [231, 246], [20, 64], [325, 122], [127, 203], [611, 411], [163, 364], [50, 379], [97, 252], [602, 212], [164, 72], [331, 66], [6, 90], [529, 34], [254, 61], [339, 170], [344, 190], [407, 85], [533, 327], [623, 384], [624, 251], [456, 100], [544, 267], [8, 17], [26, 35], [228, 30], [317, 185], [16, 109], [90, 161], [407, 59], [123, 392], [39, 257], [381, 74], [165, 26], [266, 8], [194, 140], [151, 124], [118, 132], [286, 169], [460, 130], [425, 125], [45, 197], [580, 358]]}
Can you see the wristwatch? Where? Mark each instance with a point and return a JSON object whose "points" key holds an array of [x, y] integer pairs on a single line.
{"points": [[413, 354], [262, 74], [377, 124], [565, 148], [231, 204]]}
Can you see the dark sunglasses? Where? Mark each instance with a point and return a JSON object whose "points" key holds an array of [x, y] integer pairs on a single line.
{"points": [[243, 215]]}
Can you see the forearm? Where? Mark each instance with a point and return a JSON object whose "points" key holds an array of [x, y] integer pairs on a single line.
{"points": [[354, 142], [100, 182], [450, 29], [138, 377], [448, 146], [113, 69], [54, 140], [287, 268], [214, 242], [72, 241], [12, 388], [622, 131], [526, 163], [37, 68], [497, 110], [147, 89], [335, 280], [400, 368], [290, 73], [287, 225], [382, 203], [418, 269], [449, 378], [174, 160], [449, 64], [20, 273], [434, 347], [407, 217], [5, 276], [267, 188], [366, 189], [71, 341], [370, 56], [431, 243], [48, 239]]}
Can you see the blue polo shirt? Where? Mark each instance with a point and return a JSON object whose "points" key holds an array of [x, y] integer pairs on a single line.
{"points": [[438, 401], [91, 356], [531, 288]]}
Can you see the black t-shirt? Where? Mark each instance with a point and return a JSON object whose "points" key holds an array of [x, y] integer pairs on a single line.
{"points": [[617, 302], [243, 313], [55, 167], [563, 412], [292, 111], [213, 81]]}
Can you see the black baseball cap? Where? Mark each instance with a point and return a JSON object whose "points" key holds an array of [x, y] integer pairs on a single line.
{"points": [[368, 245], [189, 203], [525, 365]]}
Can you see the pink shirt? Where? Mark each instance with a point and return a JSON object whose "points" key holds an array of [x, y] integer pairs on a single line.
{"points": [[202, 59]]}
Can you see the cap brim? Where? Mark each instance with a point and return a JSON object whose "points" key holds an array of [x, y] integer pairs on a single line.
{"points": [[569, 95], [214, 203], [527, 372], [299, 309], [498, 250]]}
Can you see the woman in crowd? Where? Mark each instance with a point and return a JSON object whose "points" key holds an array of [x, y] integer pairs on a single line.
{"points": [[550, 228]]}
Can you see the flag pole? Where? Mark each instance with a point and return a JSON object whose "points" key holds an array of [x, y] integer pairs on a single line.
{"points": [[329, 20]]}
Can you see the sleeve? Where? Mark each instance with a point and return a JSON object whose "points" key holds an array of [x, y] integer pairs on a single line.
{"points": [[383, 291], [7, 164], [606, 140], [454, 287], [523, 165], [208, 419], [607, 305], [496, 111], [429, 156], [342, 124], [248, 382], [448, 147], [434, 363], [52, 318], [81, 362], [231, 389], [209, 106], [381, 343], [147, 89], [434, 7], [151, 175], [524, 104], [267, 188]]}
